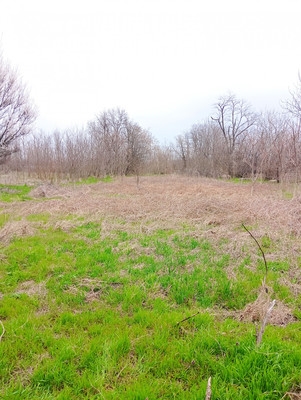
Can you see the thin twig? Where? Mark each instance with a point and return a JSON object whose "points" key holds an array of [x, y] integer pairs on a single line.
{"points": [[208, 390], [264, 322], [185, 319], [260, 248], [3, 330]]}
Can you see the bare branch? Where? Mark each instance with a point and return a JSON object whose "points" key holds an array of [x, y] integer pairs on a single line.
{"points": [[187, 318], [260, 248], [264, 322], [235, 118]]}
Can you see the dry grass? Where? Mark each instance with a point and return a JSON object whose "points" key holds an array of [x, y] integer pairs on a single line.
{"points": [[31, 288], [217, 205], [255, 311], [212, 208]]}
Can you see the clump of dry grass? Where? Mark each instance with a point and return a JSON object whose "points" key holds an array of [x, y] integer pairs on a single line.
{"points": [[257, 310], [32, 288], [15, 229], [292, 396], [91, 289]]}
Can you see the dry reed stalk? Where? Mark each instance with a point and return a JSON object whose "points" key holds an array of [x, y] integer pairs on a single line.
{"points": [[264, 322], [208, 390], [3, 330], [292, 396]]}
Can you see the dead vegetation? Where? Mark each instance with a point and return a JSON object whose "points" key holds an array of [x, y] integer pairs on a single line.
{"points": [[32, 288], [257, 310], [219, 207]]}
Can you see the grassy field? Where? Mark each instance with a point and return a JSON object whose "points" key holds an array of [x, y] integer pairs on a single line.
{"points": [[111, 290]]}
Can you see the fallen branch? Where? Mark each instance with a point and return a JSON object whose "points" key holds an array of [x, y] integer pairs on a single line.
{"points": [[208, 390], [185, 319], [3, 330], [264, 322]]}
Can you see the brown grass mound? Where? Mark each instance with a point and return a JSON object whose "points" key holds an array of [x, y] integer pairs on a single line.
{"points": [[48, 190], [32, 288], [255, 312], [15, 229], [292, 396]]}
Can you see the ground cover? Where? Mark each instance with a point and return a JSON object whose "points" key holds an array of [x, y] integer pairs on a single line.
{"points": [[116, 291]]}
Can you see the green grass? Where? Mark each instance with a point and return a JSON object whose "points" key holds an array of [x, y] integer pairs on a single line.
{"points": [[94, 179], [3, 219], [89, 315], [10, 193], [43, 217]]}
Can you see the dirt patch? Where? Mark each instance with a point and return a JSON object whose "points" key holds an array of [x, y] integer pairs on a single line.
{"points": [[32, 288]]}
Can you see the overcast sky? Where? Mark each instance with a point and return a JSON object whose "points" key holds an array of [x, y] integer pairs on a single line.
{"points": [[164, 61]]}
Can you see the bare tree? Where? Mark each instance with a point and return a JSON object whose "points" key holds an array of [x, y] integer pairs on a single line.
{"points": [[182, 149], [138, 145], [234, 118], [293, 105], [120, 146], [17, 113], [207, 151]]}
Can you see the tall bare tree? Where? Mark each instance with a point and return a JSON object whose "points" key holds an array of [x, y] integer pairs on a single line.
{"points": [[235, 118], [120, 146], [17, 113]]}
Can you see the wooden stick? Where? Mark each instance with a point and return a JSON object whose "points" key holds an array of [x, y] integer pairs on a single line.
{"points": [[3, 330], [185, 319], [208, 390], [264, 322]]}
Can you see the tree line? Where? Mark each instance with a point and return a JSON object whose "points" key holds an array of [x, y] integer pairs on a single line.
{"points": [[238, 142], [235, 141]]}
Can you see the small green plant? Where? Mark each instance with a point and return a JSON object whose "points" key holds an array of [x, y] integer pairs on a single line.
{"points": [[3, 219], [287, 195], [106, 179], [266, 242]]}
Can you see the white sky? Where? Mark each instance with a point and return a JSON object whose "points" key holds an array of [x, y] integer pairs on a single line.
{"points": [[164, 61]]}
